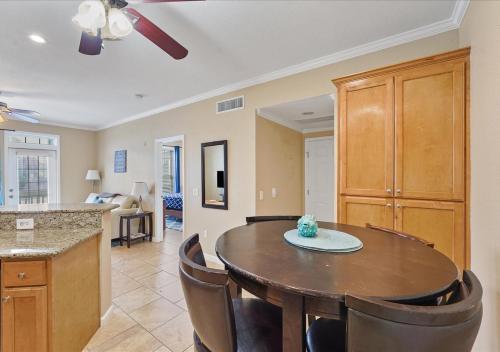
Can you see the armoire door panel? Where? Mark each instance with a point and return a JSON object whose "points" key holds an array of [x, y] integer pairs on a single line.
{"points": [[430, 137], [367, 135], [439, 222], [359, 211]]}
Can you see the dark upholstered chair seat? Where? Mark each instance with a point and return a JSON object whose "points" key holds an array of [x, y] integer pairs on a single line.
{"points": [[258, 327], [326, 335]]}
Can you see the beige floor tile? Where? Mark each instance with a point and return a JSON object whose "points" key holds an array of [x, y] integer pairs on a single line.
{"points": [[182, 304], [121, 283], [163, 349], [156, 313], [162, 258], [128, 264], [142, 271], [115, 323], [135, 339], [173, 291], [176, 334], [135, 299], [171, 268], [190, 349], [158, 280]]}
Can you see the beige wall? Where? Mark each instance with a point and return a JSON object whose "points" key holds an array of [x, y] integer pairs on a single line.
{"points": [[279, 157], [78, 154], [318, 134], [481, 30], [199, 123]]}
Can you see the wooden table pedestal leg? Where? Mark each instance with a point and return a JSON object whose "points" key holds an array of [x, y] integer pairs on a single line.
{"points": [[293, 323]]}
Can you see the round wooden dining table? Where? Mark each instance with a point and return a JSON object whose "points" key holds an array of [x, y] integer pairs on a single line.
{"points": [[308, 282]]}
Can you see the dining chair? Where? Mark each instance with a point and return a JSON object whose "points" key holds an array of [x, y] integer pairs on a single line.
{"points": [[223, 324], [252, 219], [376, 325], [401, 234]]}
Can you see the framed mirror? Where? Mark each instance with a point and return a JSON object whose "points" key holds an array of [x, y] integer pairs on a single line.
{"points": [[214, 175]]}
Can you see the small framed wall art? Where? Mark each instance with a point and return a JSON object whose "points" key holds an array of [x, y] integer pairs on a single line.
{"points": [[120, 161]]}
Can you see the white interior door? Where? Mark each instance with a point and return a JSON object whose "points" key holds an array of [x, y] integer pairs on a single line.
{"points": [[319, 178], [31, 177]]}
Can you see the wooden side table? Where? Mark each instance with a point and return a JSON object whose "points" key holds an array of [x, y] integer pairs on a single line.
{"points": [[141, 234]]}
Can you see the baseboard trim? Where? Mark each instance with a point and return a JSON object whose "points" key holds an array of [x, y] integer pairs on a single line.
{"points": [[105, 315]]}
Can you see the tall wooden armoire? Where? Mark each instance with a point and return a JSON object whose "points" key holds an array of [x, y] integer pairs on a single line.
{"points": [[403, 150]]}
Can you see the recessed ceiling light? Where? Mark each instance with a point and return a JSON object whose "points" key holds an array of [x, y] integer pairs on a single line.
{"points": [[37, 38], [308, 113]]}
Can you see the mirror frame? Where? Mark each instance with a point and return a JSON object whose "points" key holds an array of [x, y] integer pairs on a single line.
{"points": [[225, 199]]}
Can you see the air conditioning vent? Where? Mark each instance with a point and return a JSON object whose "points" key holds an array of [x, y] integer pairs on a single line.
{"points": [[230, 104]]}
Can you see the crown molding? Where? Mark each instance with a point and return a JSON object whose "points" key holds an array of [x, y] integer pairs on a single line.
{"points": [[452, 23], [272, 117], [319, 129]]}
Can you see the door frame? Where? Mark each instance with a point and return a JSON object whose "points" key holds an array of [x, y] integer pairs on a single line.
{"points": [[8, 145], [158, 236], [306, 172]]}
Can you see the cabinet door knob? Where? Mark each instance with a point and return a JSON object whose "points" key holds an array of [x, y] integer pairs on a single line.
{"points": [[388, 190], [398, 190], [5, 299], [21, 276], [398, 205], [388, 205]]}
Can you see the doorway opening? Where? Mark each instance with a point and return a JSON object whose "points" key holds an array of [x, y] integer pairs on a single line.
{"points": [[169, 192], [31, 169], [295, 158]]}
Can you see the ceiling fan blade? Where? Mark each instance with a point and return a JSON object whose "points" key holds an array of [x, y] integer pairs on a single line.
{"points": [[22, 117], [25, 112], [156, 35], [90, 44]]}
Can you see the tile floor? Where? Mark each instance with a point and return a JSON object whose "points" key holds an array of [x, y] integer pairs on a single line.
{"points": [[149, 313]]}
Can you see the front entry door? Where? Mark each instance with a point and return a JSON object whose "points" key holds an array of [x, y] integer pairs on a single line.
{"points": [[319, 178], [31, 177]]}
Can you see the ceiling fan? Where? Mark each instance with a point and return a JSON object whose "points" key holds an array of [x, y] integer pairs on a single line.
{"points": [[7, 113], [112, 19]]}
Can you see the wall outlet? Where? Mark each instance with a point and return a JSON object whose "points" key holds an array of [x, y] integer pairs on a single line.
{"points": [[195, 192], [205, 234], [25, 224], [261, 195], [274, 192]]}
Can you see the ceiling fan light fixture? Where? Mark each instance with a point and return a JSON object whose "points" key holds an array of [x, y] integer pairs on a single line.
{"points": [[2, 117], [118, 23], [91, 16]]}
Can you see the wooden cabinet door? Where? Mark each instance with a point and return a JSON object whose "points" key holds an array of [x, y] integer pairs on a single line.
{"points": [[439, 222], [24, 319], [430, 132], [366, 145], [361, 210]]}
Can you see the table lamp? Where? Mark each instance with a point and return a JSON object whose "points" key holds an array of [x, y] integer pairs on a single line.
{"points": [[140, 189], [93, 175]]}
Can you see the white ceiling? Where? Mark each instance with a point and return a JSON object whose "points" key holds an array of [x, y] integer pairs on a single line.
{"points": [[306, 115], [231, 45]]}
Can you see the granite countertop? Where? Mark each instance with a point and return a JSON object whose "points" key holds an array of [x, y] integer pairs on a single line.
{"points": [[42, 243], [57, 208]]}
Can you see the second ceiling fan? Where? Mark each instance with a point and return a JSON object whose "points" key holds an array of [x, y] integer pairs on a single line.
{"points": [[112, 19]]}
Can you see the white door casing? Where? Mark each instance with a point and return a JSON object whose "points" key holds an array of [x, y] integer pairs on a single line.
{"points": [[319, 178]]}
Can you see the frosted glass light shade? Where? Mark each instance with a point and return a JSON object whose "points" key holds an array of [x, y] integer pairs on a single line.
{"points": [[91, 16], [93, 175], [118, 24]]}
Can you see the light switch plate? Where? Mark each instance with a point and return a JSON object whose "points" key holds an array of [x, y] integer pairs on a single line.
{"points": [[195, 192], [25, 224], [261, 195], [274, 193]]}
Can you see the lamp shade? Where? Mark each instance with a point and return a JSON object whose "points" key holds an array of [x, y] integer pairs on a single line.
{"points": [[140, 189], [91, 16], [93, 175]]}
